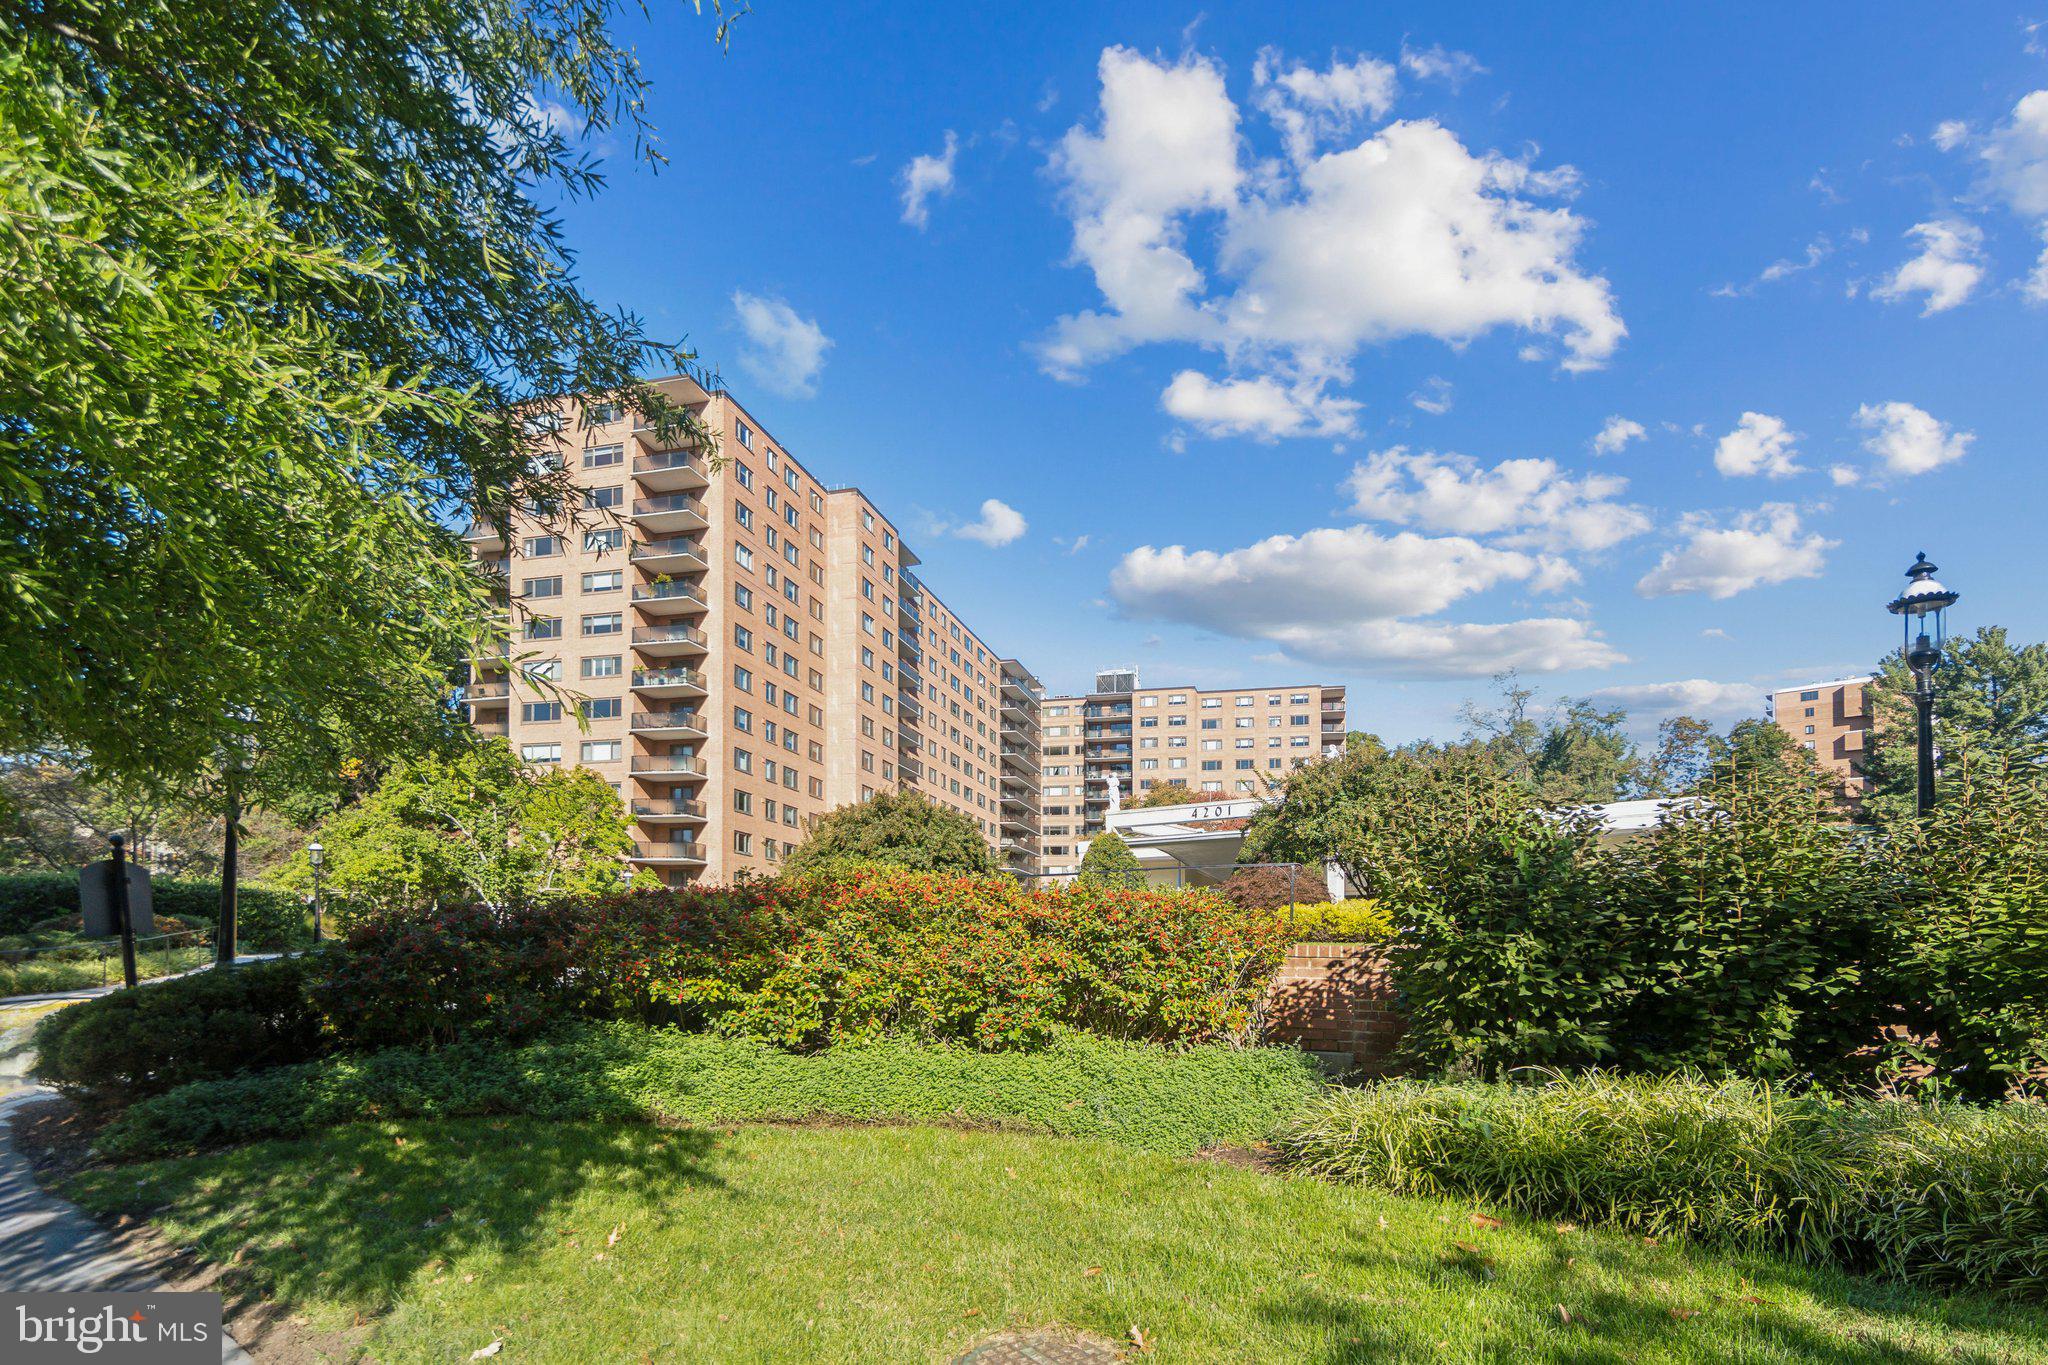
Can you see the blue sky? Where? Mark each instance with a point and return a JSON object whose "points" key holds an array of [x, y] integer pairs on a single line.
{"points": [[1282, 338]]}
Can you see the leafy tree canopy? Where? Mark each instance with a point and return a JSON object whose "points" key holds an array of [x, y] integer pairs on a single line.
{"points": [[475, 827], [1166, 794], [1110, 860], [896, 829], [1990, 701], [279, 290], [1576, 753]]}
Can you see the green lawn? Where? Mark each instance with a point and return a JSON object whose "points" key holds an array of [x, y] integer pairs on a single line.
{"points": [[83, 962], [907, 1244]]}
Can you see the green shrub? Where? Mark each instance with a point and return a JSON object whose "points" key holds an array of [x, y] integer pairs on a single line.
{"points": [[267, 919], [1137, 1095], [1356, 920], [1274, 888], [1941, 1195], [198, 1027], [903, 829], [982, 960]]}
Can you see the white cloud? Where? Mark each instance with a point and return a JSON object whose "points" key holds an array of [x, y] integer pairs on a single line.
{"points": [[1000, 525], [1817, 250], [1434, 397], [1438, 62], [1720, 703], [1349, 596], [1262, 408], [1760, 444], [1947, 271], [1908, 440], [1309, 106], [1950, 133], [1845, 475], [1617, 432], [2015, 157], [1761, 547], [1532, 503], [925, 178], [1406, 233], [784, 352]]}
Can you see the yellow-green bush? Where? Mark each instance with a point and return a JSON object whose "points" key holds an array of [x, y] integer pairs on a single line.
{"points": [[1356, 920]]}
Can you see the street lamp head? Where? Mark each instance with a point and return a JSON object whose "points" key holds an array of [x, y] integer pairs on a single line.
{"points": [[315, 853], [1923, 606]]}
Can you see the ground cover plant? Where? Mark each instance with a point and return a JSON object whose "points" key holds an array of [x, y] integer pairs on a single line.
{"points": [[894, 1244], [1941, 1194], [1141, 1096]]}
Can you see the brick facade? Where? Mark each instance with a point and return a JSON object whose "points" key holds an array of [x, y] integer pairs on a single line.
{"points": [[1336, 997]]}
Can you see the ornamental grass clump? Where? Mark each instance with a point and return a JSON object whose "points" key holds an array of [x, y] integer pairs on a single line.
{"points": [[1951, 1195]]}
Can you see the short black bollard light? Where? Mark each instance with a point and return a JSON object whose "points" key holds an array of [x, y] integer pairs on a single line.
{"points": [[119, 872]]}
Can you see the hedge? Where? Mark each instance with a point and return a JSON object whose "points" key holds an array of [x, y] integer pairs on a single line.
{"points": [[1151, 1098], [198, 1027], [1936, 1194], [265, 919]]}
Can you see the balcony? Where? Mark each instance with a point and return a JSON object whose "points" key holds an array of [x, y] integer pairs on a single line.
{"points": [[685, 852], [668, 682], [670, 470], [909, 741], [669, 724], [1022, 756], [910, 675], [668, 767], [650, 438], [668, 642], [481, 694], [501, 730], [669, 599], [499, 568], [670, 512], [483, 536], [1025, 689], [668, 811], [672, 556], [906, 609]]}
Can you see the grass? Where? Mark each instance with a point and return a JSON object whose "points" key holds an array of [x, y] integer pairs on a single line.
{"points": [[71, 962], [904, 1244]]}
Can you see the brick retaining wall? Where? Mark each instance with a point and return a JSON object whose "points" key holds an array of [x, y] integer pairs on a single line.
{"points": [[1335, 997]]}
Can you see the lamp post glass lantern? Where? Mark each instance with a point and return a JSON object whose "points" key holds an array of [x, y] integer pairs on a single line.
{"points": [[1922, 610]]}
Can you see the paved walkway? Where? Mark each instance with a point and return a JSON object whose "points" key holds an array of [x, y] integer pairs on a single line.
{"points": [[47, 1243]]}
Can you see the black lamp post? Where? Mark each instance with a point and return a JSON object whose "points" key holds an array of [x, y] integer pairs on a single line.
{"points": [[1924, 598], [317, 856]]}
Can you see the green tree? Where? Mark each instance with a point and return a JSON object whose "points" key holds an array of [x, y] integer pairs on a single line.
{"points": [[476, 827], [1165, 794], [1687, 750], [280, 291], [894, 829], [1110, 862], [1577, 754], [1990, 701], [1755, 745]]}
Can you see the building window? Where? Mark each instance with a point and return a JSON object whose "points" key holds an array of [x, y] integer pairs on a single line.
{"points": [[540, 712], [540, 547], [552, 587], [602, 666], [745, 434], [602, 414], [609, 538], [540, 753], [601, 708], [597, 499], [544, 628], [600, 751], [603, 457], [611, 580], [602, 623]]}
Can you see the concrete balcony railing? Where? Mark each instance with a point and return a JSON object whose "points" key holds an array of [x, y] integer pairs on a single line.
{"points": [[668, 722]]}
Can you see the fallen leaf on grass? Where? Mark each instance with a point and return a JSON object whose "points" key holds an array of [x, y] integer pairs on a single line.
{"points": [[1480, 1220], [469, 1279], [972, 1313], [1564, 1227], [1649, 1241], [1564, 1314], [1684, 1314], [1139, 1340], [616, 1234], [486, 1352], [1091, 1270], [1383, 1220]]}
